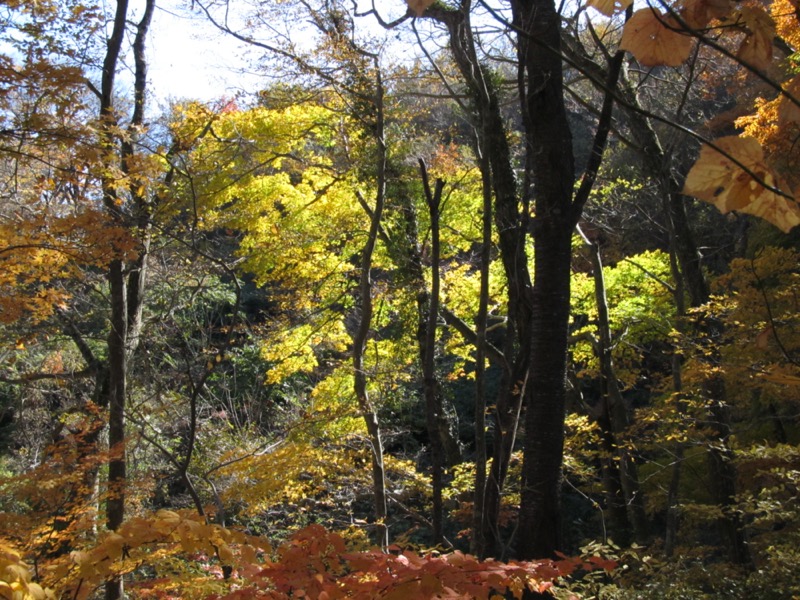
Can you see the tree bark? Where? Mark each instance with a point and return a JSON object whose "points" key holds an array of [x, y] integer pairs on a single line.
{"points": [[549, 150], [620, 470], [511, 219], [126, 281], [433, 406], [360, 339], [478, 542]]}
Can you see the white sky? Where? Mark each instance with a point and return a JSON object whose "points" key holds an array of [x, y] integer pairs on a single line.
{"points": [[189, 59]]}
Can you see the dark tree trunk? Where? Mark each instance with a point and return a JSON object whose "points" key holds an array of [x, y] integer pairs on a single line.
{"points": [[368, 410], [126, 281], [549, 148], [511, 220], [433, 406], [620, 471], [478, 543]]}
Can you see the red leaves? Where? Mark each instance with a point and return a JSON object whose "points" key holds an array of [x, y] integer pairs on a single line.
{"points": [[313, 564]]}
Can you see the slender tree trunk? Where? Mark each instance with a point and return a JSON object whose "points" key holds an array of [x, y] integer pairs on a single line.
{"points": [[622, 469], [722, 470], [360, 339], [126, 282], [433, 406], [511, 218], [478, 542], [405, 246]]}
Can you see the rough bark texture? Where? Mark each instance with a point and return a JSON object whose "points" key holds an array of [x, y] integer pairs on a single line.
{"points": [[549, 148]]}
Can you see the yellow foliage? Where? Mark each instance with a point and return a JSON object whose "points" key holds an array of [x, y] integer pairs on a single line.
{"points": [[15, 578]]}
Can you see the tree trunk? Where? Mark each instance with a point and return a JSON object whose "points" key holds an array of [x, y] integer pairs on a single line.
{"points": [[433, 406], [621, 470], [478, 542], [360, 339], [511, 219], [126, 281], [549, 151]]}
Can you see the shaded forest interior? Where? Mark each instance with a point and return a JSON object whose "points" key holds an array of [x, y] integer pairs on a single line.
{"points": [[465, 300]]}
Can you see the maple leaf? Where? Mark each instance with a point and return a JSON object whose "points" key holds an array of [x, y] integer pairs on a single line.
{"points": [[609, 7], [653, 39], [418, 7], [717, 179]]}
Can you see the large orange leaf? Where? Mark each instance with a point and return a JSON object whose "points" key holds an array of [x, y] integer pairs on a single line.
{"points": [[653, 39], [717, 179]]}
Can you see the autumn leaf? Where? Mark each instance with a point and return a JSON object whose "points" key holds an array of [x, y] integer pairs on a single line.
{"points": [[756, 48], [653, 40], [609, 7], [418, 6], [717, 179], [789, 111], [699, 13]]}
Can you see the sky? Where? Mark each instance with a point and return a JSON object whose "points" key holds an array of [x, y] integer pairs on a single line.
{"points": [[189, 58]]}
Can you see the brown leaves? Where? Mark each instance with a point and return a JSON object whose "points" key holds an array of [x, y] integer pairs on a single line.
{"points": [[699, 13], [718, 179], [418, 7], [654, 39], [756, 48]]}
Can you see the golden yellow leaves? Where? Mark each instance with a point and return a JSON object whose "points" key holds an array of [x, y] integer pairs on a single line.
{"points": [[737, 177], [654, 39], [15, 578], [158, 539]]}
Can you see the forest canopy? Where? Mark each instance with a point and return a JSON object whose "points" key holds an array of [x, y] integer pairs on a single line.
{"points": [[459, 300]]}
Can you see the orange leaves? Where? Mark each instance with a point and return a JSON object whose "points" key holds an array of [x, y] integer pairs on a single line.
{"points": [[719, 178], [789, 111], [655, 39], [658, 38], [314, 561]]}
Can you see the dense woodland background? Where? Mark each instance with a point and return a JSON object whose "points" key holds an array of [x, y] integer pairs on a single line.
{"points": [[436, 311]]}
